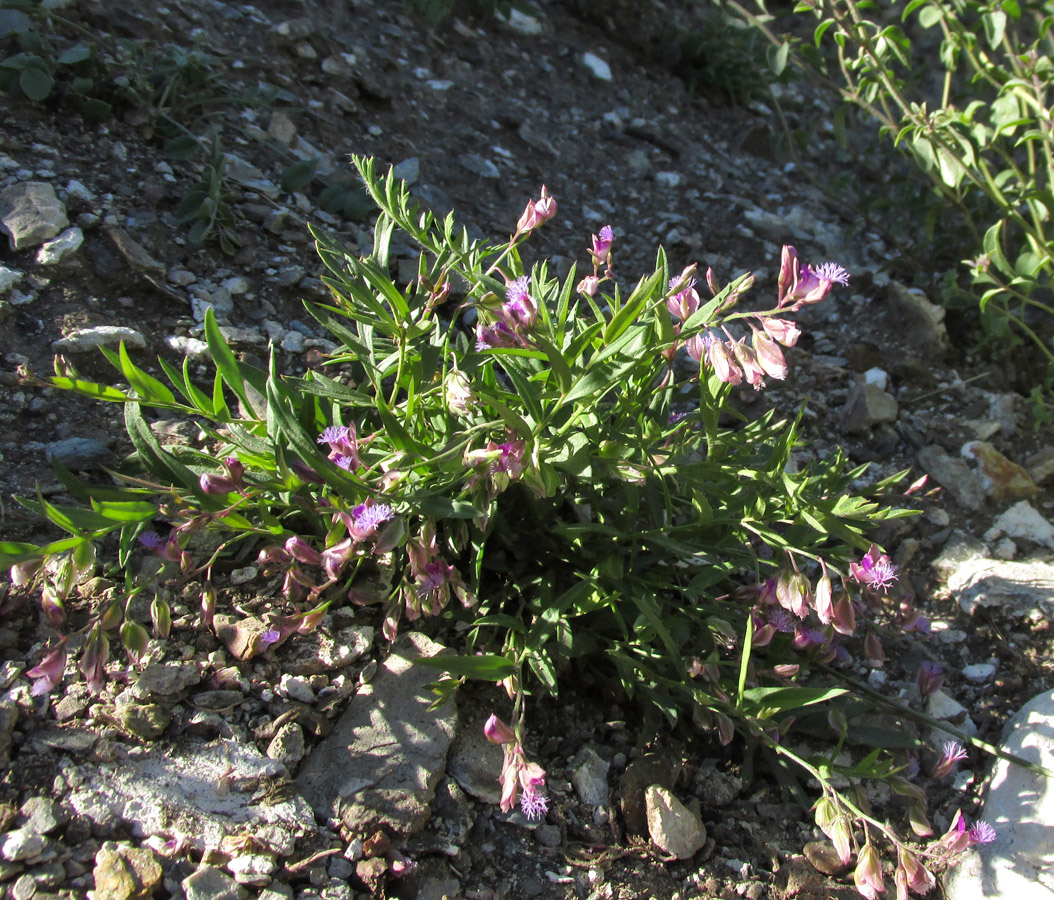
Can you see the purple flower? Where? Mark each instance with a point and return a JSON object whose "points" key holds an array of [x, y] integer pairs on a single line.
{"points": [[497, 335], [343, 441], [520, 310], [271, 636], [367, 517], [601, 249], [803, 285], [929, 678], [685, 302], [535, 805], [875, 570], [953, 752], [49, 671], [982, 833]]}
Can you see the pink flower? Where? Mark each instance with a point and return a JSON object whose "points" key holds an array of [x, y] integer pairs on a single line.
{"points": [[47, 673], [601, 248], [536, 213], [685, 302], [497, 732], [875, 570], [953, 752], [782, 331]]}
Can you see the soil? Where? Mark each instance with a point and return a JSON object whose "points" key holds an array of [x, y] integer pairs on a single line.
{"points": [[490, 112]]}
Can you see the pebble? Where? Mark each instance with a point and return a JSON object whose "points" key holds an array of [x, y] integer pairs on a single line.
{"points": [[287, 746], [589, 777], [21, 845], [9, 278], [181, 277], [79, 454], [188, 346], [84, 339], [54, 251], [43, 815], [207, 883], [254, 869], [296, 687], [597, 67], [979, 673], [479, 166], [673, 828], [31, 213]]}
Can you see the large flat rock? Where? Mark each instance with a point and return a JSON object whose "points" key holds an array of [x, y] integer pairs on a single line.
{"points": [[387, 753], [1019, 864]]}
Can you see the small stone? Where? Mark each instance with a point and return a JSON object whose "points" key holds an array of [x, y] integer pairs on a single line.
{"points": [[668, 179], [236, 285], [146, 721], [244, 575], [979, 673], [590, 777], [31, 213], [921, 322], [166, 679], [43, 815], [123, 872], [941, 706], [293, 342], [867, 406], [825, 859], [288, 746], [521, 22], [84, 339], [135, 254], [1023, 522], [188, 346], [181, 277], [207, 883], [645, 771], [241, 636], [282, 128], [296, 688], [953, 475], [54, 251], [673, 828], [1001, 479], [21, 845], [24, 888], [254, 869], [598, 68], [409, 170], [79, 454], [477, 165], [9, 278]]}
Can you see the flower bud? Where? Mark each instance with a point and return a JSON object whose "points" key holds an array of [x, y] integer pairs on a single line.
{"points": [[720, 357], [135, 640], [497, 732], [211, 483], [929, 678], [302, 551], [769, 355], [781, 330], [208, 605], [588, 286], [49, 671], [22, 573], [93, 660], [459, 396], [868, 873], [161, 616], [822, 600]]}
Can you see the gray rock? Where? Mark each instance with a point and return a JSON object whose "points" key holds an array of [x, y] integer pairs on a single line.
{"points": [[1023, 522], [123, 872], [590, 777], [166, 679], [30, 214], [1019, 804], [208, 883], [672, 827], [1019, 587], [292, 342], [388, 751], [954, 475], [21, 845], [941, 706], [922, 321], [135, 254], [9, 278], [247, 175], [43, 815], [296, 688], [597, 67], [254, 869], [288, 746], [409, 170], [979, 673], [478, 165], [475, 763], [521, 22], [53, 252], [85, 339], [24, 888], [205, 792], [867, 406], [79, 454]]}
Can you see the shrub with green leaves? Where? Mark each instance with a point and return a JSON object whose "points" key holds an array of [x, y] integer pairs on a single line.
{"points": [[553, 466], [961, 86]]}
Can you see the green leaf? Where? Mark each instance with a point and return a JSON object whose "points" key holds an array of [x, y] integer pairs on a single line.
{"points": [[12, 552], [149, 389], [89, 389], [153, 456], [485, 667], [299, 174], [36, 83], [125, 510], [76, 54], [781, 699], [183, 146]]}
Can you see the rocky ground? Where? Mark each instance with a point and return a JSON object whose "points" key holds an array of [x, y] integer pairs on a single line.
{"points": [[213, 775]]}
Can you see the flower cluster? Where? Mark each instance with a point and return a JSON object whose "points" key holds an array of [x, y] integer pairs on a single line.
{"points": [[514, 321], [517, 774]]}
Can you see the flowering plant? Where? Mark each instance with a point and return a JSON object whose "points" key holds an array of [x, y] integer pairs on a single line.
{"points": [[554, 464]]}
